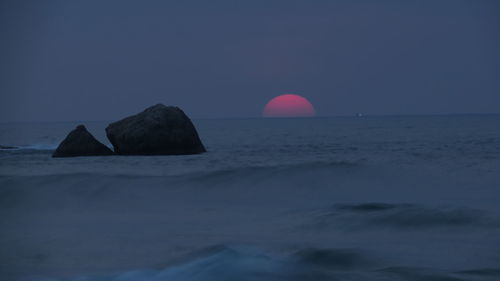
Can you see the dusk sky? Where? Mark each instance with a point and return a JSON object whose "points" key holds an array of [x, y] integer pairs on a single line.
{"points": [[103, 60]]}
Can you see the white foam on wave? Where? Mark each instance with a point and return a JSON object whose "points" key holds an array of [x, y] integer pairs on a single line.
{"points": [[249, 264], [220, 264]]}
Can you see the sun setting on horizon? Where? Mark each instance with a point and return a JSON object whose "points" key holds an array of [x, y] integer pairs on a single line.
{"points": [[289, 105]]}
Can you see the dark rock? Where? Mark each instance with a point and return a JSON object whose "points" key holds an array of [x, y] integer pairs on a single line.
{"points": [[7, 147], [158, 130], [80, 142]]}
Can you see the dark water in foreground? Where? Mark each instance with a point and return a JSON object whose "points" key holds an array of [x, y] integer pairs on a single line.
{"points": [[376, 198]]}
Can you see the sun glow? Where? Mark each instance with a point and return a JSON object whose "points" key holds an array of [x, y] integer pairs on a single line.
{"points": [[289, 105]]}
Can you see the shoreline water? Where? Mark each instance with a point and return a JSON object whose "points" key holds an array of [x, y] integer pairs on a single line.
{"points": [[314, 199]]}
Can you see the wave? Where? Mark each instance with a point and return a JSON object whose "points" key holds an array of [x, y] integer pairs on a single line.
{"points": [[179, 172], [487, 272], [223, 263], [402, 216], [42, 147], [266, 171], [119, 188]]}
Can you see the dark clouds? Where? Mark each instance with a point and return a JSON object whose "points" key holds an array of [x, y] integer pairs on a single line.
{"points": [[94, 60]]}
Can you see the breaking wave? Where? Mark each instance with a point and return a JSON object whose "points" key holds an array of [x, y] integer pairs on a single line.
{"points": [[402, 216], [223, 263]]}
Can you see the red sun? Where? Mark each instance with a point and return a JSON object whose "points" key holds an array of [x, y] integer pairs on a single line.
{"points": [[288, 106]]}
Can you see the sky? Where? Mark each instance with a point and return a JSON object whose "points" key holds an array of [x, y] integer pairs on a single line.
{"points": [[103, 60]]}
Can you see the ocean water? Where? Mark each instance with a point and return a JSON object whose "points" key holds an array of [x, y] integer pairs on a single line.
{"points": [[344, 198]]}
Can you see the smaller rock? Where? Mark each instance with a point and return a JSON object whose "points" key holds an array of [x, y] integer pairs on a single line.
{"points": [[80, 142]]}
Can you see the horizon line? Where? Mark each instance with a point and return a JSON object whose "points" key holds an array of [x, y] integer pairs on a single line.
{"points": [[355, 115]]}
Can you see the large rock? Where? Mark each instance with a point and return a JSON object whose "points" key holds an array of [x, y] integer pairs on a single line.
{"points": [[80, 142], [158, 130]]}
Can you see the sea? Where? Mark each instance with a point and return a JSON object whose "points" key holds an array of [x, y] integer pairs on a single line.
{"points": [[337, 198]]}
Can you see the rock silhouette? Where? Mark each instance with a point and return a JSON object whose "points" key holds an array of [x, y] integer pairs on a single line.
{"points": [[80, 142], [158, 130]]}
